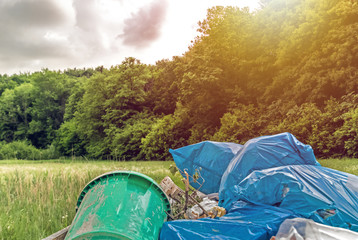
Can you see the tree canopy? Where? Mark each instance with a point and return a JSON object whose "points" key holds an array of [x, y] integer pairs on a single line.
{"points": [[289, 66]]}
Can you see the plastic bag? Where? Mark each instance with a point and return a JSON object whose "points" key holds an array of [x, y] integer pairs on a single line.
{"points": [[243, 221], [324, 195], [306, 229], [209, 159], [262, 153]]}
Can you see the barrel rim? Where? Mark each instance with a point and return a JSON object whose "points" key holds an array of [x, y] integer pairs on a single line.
{"points": [[121, 172]]}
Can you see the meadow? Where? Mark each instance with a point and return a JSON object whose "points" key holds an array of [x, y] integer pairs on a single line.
{"points": [[37, 198]]}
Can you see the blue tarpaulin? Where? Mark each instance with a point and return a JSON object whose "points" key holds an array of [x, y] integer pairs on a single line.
{"points": [[324, 195], [262, 183], [211, 157], [262, 153], [243, 221]]}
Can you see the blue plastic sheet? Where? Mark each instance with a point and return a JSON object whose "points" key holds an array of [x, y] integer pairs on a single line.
{"points": [[209, 158], [262, 153], [262, 183], [244, 221], [324, 195]]}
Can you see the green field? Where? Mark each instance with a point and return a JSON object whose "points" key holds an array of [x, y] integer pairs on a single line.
{"points": [[38, 198], [349, 165]]}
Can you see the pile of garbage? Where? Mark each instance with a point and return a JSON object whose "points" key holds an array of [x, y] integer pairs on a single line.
{"points": [[270, 188]]}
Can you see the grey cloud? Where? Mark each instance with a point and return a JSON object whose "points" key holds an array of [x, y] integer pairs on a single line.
{"points": [[33, 46], [47, 33], [86, 16], [23, 26], [144, 26], [42, 13], [90, 28]]}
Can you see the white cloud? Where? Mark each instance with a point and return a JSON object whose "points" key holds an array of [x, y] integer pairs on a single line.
{"points": [[63, 34]]}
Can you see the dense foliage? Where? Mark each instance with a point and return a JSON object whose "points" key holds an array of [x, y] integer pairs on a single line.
{"points": [[290, 66]]}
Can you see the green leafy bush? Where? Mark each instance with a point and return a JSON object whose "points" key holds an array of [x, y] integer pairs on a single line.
{"points": [[24, 150], [168, 132], [347, 135]]}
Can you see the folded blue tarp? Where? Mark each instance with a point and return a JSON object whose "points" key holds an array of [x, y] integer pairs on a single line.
{"points": [[324, 195], [262, 153], [211, 157], [244, 221]]}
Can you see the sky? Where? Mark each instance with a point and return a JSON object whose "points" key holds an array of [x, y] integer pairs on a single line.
{"points": [[61, 34]]}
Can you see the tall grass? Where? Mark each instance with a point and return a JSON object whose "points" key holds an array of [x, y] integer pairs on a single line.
{"points": [[38, 199], [349, 165]]}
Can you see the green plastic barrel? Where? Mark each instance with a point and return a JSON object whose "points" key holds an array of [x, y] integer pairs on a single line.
{"points": [[120, 205]]}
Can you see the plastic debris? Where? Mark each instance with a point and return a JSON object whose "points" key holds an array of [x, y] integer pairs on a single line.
{"points": [[208, 158], [263, 153], [261, 184], [217, 212], [300, 229], [120, 205], [324, 195], [197, 212], [243, 221], [171, 189]]}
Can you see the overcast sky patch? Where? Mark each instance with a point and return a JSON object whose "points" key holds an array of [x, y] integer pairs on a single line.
{"points": [[61, 34]]}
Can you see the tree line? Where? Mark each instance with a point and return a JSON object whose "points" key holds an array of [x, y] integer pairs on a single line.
{"points": [[290, 66]]}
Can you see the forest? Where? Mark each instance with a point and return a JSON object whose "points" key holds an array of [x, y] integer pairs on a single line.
{"points": [[291, 66]]}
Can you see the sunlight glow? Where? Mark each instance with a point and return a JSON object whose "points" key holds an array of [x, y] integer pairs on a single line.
{"points": [[179, 31]]}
